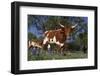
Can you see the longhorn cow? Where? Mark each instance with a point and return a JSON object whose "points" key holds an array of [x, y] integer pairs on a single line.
{"points": [[58, 36]]}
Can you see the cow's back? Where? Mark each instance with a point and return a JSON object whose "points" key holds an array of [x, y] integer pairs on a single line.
{"points": [[58, 34]]}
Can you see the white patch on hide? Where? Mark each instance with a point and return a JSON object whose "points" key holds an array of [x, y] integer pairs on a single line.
{"points": [[45, 40], [58, 43], [53, 40], [61, 44], [33, 44], [48, 46]]}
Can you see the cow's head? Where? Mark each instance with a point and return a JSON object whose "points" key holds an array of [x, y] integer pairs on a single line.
{"points": [[68, 30]]}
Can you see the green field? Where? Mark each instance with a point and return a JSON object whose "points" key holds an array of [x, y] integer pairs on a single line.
{"points": [[55, 56]]}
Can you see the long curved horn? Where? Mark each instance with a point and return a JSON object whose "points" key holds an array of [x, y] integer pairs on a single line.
{"points": [[61, 25], [74, 26]]}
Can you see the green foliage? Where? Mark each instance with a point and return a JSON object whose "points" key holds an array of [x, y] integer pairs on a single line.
{"points": [[41, 38], [30, 20], [83, 38], [31, 36], [80, 42], [53, 22]]}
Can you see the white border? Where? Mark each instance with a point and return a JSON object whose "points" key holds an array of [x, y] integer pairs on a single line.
{"points": [[26, 65]]}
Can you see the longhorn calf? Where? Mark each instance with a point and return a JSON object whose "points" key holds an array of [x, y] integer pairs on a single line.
{"points": [[35, 45]]}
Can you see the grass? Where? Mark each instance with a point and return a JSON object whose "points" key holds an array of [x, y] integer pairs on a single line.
{"points": [[51, 56]]}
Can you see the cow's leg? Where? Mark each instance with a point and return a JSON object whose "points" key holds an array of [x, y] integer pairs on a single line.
{"points": [[37, 51], [58, 49], [45, 40], [33, 51], [62, 50], [30, 48], [49, 49], [45, 45], [66, 50], [45, 48]]}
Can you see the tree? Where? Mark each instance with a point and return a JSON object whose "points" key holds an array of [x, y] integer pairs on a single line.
{"points": [[31, 36], [52, 22], [82, 40]]}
